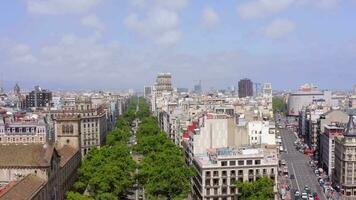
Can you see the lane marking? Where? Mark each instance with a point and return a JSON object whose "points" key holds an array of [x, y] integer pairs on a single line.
{"points": [[295, 176]]}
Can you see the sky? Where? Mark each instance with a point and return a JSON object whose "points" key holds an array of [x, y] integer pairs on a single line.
{"points": [[121, 44]]}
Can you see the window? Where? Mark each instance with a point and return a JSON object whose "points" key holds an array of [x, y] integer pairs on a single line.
{"points": [[257, 171], [224, 181], [249, 162], [207, 182], [207, 174], [216, 173], [223, 163], [232, 173], [224, 173], [232, 163], [257, 162], [241, 162], [224, 190], [215, 182]]}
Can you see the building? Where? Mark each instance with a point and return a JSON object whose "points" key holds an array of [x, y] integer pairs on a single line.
{"points": [[42, 171], [147, 91], [93, 122], [261, 132], [213, 131], [345, 163], [38, 98], [245, 88], [163, 82], [306, 95], [267, 90], [220, 168], [327, 146], [23, 129], [198, 88]]}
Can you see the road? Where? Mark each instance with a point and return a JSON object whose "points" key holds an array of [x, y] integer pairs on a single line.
{"points": [[136, 191], [298, 164]]}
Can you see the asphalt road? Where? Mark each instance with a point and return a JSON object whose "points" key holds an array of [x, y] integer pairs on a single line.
{"points": [[298, 164]]}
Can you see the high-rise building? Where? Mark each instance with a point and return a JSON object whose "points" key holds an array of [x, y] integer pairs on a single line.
{"points": [[163, 82], [267, 90], [198, 88], [245, 88], [38, 98]]}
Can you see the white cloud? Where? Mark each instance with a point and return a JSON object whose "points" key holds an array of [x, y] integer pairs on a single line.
{"points": [[327, 4], [93, 21], [171, 4], [279, 28], [259, 8], [209, 18], [21, 54], [157, 20], [57, 7]]}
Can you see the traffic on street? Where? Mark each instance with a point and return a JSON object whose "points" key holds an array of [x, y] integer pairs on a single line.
{"points": [[297, 179]]}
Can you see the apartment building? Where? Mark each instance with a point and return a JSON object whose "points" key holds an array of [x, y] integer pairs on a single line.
{"points": [[22, 128], [93, 122], [327, 146], [220, 168], [261, 132], [345, 161]]}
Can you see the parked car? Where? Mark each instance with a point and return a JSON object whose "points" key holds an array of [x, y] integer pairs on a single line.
{"points": [[292, 176], [307, 189], [297, 193], [310, 197], [304, 196]]}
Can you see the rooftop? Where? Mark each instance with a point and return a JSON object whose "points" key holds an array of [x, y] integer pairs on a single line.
{"points": [[26, 188], [266, 155], [31, 155]]}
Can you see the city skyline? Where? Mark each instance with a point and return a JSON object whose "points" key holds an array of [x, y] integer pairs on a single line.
{"points": [[124, 44]]}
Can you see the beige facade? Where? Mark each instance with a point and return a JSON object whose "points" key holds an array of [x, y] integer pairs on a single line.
{"points": [[92, 123], [345, 161], [218, 172], [23, 131]]}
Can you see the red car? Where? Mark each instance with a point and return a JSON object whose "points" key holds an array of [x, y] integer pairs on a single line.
{"points": [[316, 197]]}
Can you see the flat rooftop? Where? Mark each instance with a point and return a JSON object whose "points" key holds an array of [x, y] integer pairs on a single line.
{"points": [[268, 156]]}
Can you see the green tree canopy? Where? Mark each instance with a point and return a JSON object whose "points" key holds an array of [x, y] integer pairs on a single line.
{"points": [[260, 189], [279, 105]]}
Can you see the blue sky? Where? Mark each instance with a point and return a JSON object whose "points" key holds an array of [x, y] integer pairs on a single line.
{"points": [[118, 44]]}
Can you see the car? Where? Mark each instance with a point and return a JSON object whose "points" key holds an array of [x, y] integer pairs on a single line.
{"points": [[292, 176], [140, 197], [281, 149], [307, 189], [304, 196], [315, 195], [297, 193], [310, 197]]}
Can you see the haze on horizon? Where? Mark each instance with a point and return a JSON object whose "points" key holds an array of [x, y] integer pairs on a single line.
{"points": [[114, 44]]}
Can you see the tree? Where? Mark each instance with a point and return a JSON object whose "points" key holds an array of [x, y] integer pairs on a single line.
{"points": [[77, 196], [107, 173], [260, 189], [279, 105], [163, 172]]}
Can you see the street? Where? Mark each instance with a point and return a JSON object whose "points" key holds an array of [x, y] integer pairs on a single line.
{"points": [[298, 164], [136, 193]]}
